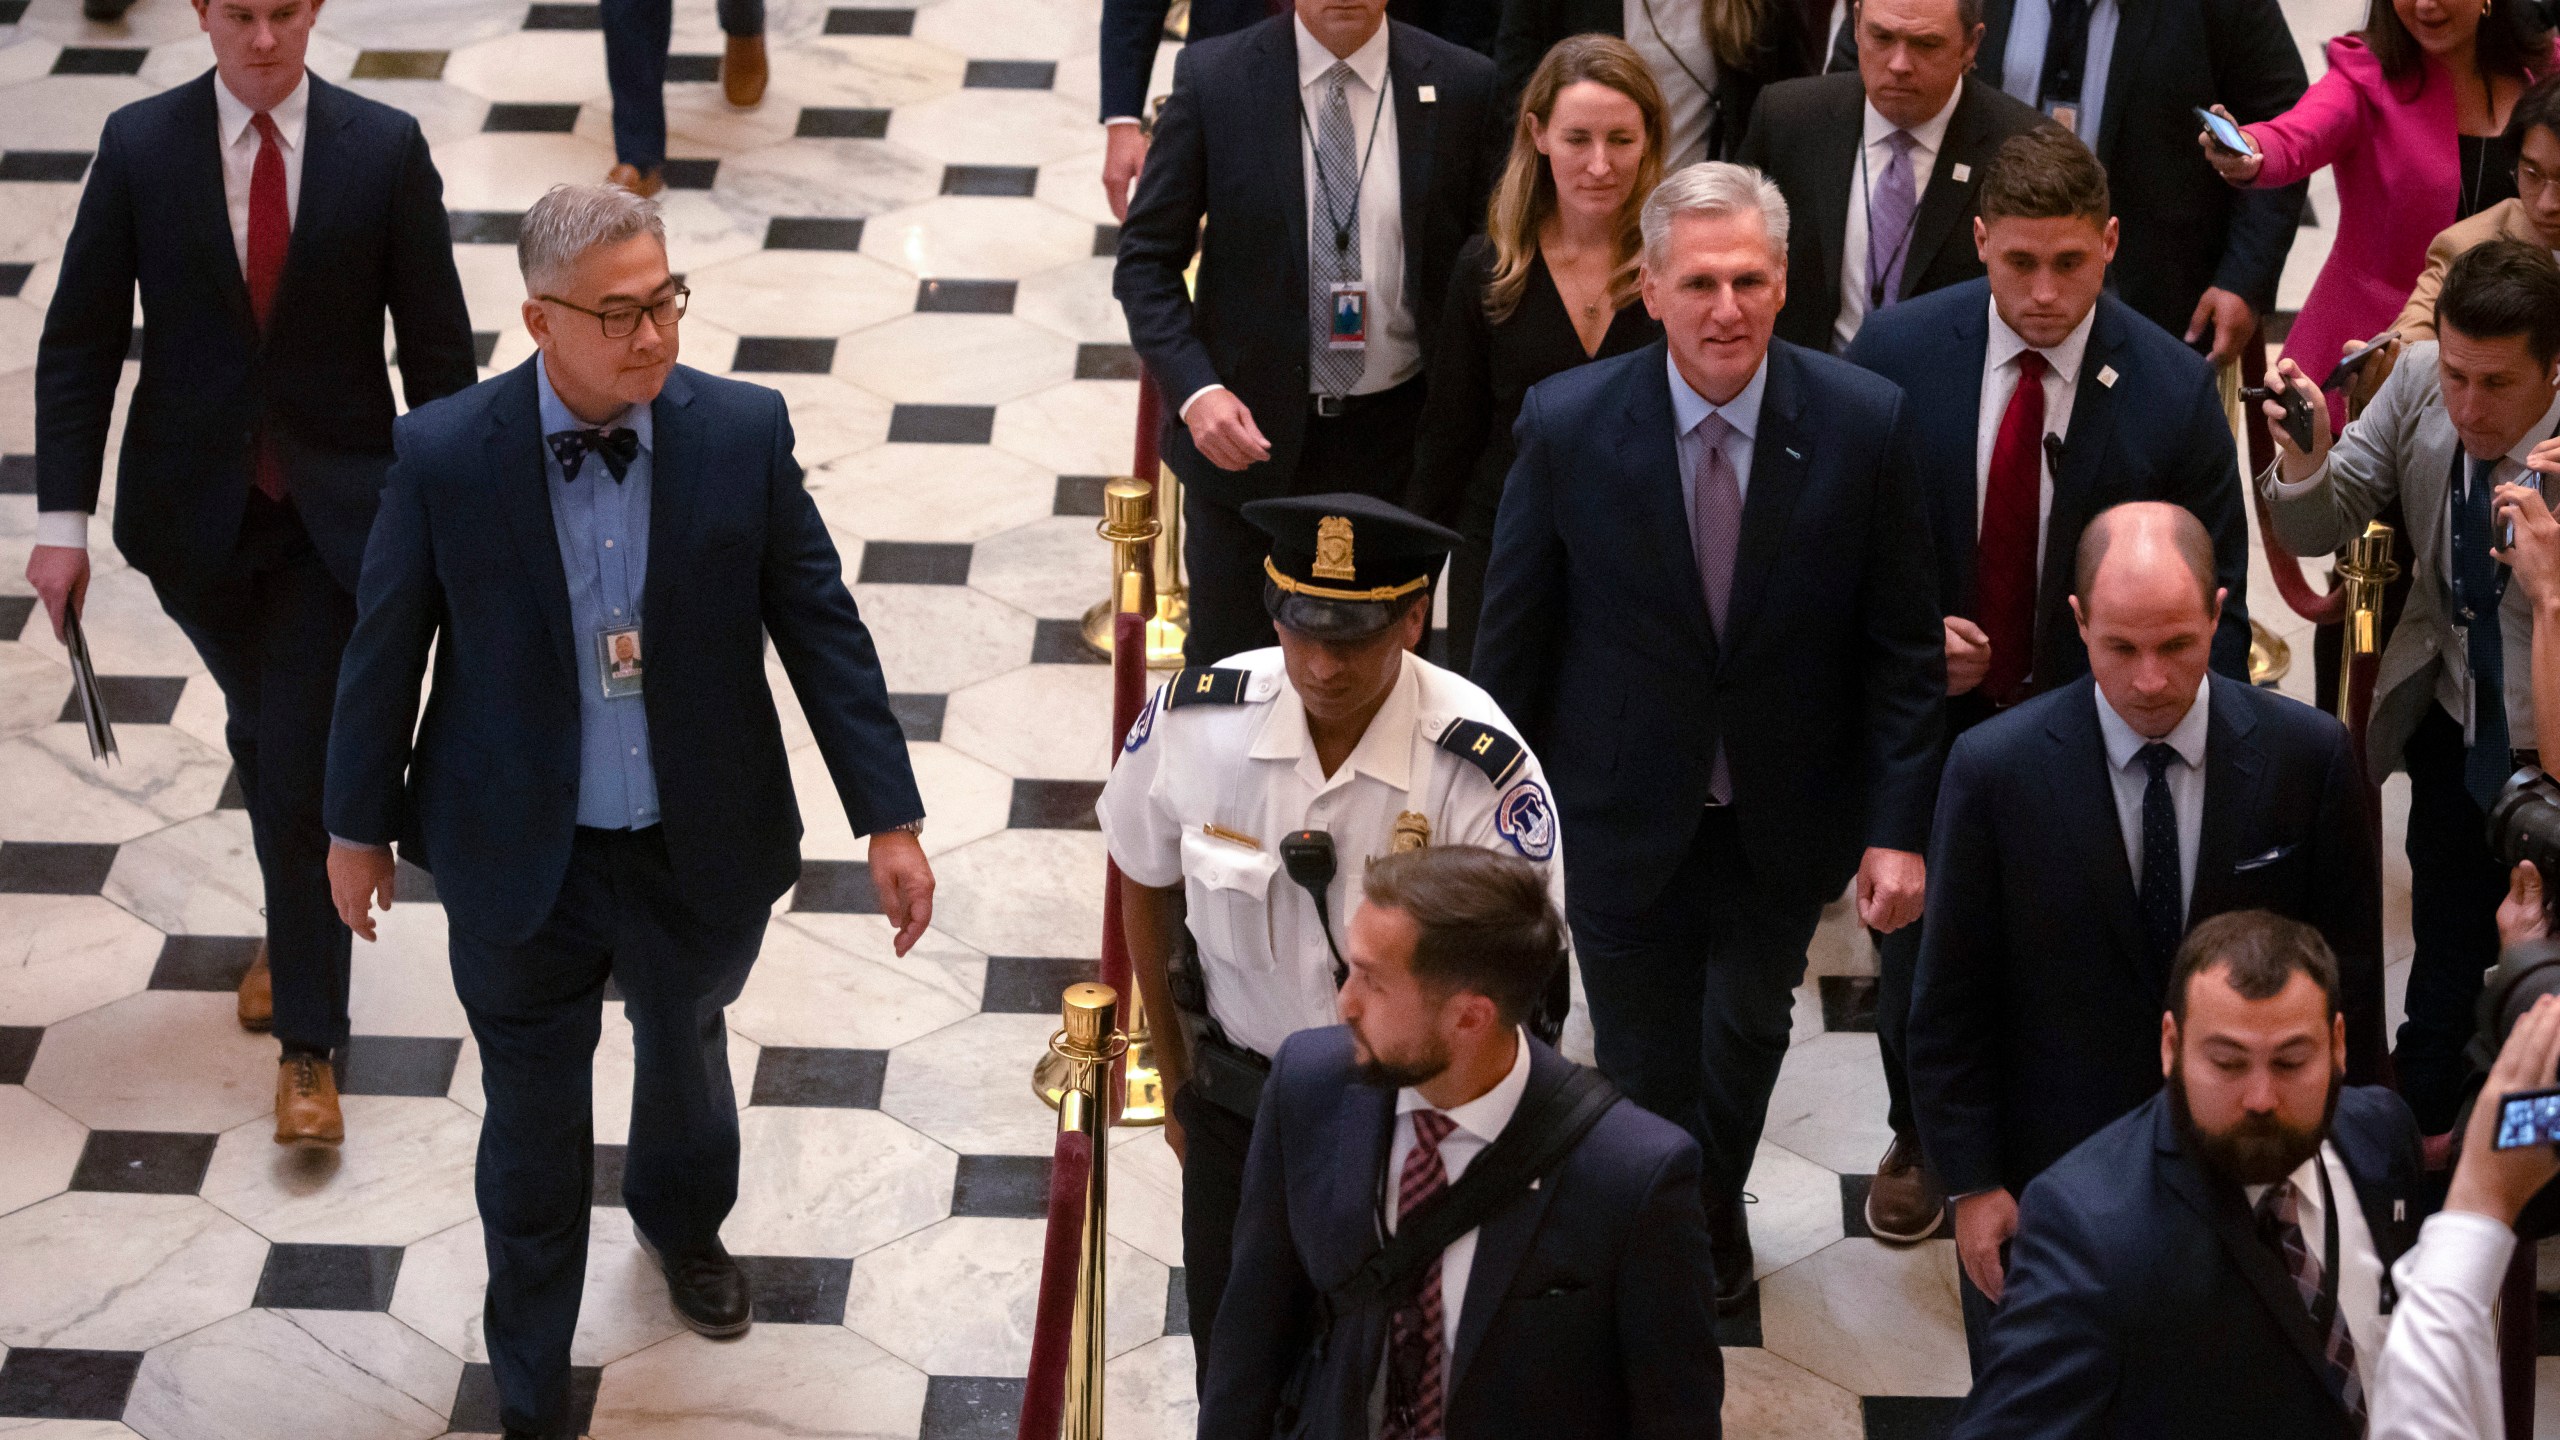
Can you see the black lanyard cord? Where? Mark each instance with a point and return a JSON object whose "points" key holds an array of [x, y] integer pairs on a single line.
{"points": [[1341, 227]]}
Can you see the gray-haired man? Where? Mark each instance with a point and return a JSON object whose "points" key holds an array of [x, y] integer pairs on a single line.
{"points": [[596, 546]]}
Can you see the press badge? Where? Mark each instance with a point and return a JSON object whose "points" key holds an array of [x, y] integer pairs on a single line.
{"points": [[1350, 317], [618, 660]]}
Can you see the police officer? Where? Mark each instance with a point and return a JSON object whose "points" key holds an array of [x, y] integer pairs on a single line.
{"points": [[1252, 796]]}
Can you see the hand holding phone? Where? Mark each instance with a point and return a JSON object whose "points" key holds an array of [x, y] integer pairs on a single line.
{"points": [[2298, 426], [2224, 134]]}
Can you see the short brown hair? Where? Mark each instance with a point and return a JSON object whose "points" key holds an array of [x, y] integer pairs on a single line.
{"points": [[2261, 950], [2044, 174], [1484, 920]]}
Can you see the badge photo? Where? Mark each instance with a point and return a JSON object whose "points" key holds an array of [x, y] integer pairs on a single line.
{"points": [[1350, 317], [618, 660]]}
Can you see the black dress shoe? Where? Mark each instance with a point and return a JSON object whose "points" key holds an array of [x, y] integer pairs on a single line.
{"points": [[1729, 1245], [708, 1289]]}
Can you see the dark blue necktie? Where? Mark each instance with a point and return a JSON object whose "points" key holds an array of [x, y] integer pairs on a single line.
{"points": [[616, 447], [2164, 905], [2066, 49], [2479, 583]]}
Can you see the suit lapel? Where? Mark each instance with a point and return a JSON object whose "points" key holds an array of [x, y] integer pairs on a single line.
{"points": [[1834, 166], [513, 451], [1649, 458], [675, 483], [2133, 39], [323, 184], [207, 206], [1503, 1241], [1778, 470], [1949, 201], [1283, 122], [1408, 69], [2084, 810], [1365, 1131], [1961, 504], [2077, 484], [2233, 770]]}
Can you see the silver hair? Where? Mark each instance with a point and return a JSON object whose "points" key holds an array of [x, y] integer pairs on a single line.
{"points": [[1714, 187], [570, 220]]}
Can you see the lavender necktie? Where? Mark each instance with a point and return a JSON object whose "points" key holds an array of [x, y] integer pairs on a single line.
{"points": [[1891, 203], [1715, 527]]}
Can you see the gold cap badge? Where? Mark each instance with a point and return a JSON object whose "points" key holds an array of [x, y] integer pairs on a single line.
{"points": [[1333, 549]]}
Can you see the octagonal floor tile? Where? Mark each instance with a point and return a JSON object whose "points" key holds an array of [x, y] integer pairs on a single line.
{"points": [[1073, 743], [1871, 1318], [1084, 427], [1025, 892], [969, 1086], [62, 954], [780, 1381], [160, 1060], [800, 292], [958, 1299], [44, 1147], [833, 1182], [836, 982], [403, 1174], [955, 359], [259, 1376], [948, 493], [198, 877], [976, 237], [934, 639], [623, 1308], [90, 1271]]}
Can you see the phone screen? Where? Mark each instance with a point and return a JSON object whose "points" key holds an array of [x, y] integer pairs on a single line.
{"points": [[2224, 133], [2529, 1117]]}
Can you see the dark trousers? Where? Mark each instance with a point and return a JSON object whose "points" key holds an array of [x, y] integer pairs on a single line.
{"points": [[1368, 449], [1215, 1142], [270, 628], [535, 1009], [1692, 1001], [636, 36], [2455, 884], [1897, 965]]}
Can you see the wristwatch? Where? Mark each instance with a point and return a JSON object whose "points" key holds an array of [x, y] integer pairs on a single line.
{"points": [[913, 827]]}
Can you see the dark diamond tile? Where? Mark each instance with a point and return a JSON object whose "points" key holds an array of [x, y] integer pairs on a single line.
{"points": [[68, 1384], [518, 119], [15, 611], [475, 1399], [12, 11], [1010, 75], [1031, 984], [1177, 1304], [913, 562], [99, 60], [484, 227], [328, 1277], [870, 21], [133, 345], [942, 424], [606, 1188], [989, 179], [812, 232], [18, 1052], [1079, 495], [834, 887], [1853, 1210], [692, 174], [1741, 1329], [211, 963], [1061, 642], [418, 1065], [413, 886], [65, 166], [1002, 1187], [484, 347], [1106, 240], [143, 1162], [131, 699], [820, 1079], [692, 69], [1108, 362], [797, 1289], [1435, 646], [965, 297], [971, 1407], [1849, 1003], [564, 17], [612, 990], [784, 355], [919, 716], [13, 278], [233, 797], [830, 123], [2547, 1324], [400, 65], [29, 867], [17, 477], [1908, 1417], [1055, 805]]}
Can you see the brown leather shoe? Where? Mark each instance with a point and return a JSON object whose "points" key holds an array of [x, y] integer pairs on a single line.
{"points": [[743, 72], [258, 995], [639, 182], [1905, 1202], [307, 1102]]}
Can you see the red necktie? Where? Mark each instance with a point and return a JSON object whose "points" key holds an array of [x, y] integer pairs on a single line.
{"points": [[2004, 562], [270, 233], [1417, 1350]]}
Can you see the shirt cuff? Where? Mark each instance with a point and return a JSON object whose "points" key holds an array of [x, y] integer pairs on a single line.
{"points": [[1184, 413], [68, 528], [1121, 120], [2462, 1253], [345, 844]]}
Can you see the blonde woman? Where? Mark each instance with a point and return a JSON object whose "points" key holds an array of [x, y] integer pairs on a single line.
{"points": [[1551, 284]]}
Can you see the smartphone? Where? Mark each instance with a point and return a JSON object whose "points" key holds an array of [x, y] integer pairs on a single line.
{"points": [[2297, 411], [2529, 1117], [2225, 134], [2531, 480], [2351, 364]]}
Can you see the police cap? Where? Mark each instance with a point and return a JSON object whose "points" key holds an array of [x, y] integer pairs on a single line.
{"points": [[1341, 565]]}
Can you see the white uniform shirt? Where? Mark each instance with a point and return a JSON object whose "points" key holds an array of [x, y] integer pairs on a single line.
{"points": [[1250, 770], [2359, 1264], [2000, 385], [2437, 1375], [1931, 133]]}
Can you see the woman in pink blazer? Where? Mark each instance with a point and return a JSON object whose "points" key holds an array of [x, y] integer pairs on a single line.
{"points": [[2410, 116]]}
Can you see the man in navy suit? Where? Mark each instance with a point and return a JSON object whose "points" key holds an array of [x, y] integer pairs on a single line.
{"points": [[596, 546], [2214, 1262], [270, 219], [1579, 1310], [2120, 411], [2078, 836], [1712, 599]]}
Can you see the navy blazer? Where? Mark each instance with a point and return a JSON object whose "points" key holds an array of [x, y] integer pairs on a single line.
{"points": [[1587, 1314], [1237, 162], [1828, 687], [369, 236], [464, 556], [2155, 430], [1132, 29], [2035, 1014], [2141, 1303]]}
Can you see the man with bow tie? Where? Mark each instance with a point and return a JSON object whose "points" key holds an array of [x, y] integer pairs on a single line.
{"points": [[596, 545]]}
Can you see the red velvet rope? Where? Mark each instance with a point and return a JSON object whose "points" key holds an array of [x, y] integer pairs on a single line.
{"points": [[1044, 1393], [2304, 601]]}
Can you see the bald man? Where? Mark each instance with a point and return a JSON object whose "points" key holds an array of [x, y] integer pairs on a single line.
{"points": [[2078, 836]]}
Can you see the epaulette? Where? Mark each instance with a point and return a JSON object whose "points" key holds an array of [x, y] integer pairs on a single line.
{"points": [[1487, 749], [1208, 685]]}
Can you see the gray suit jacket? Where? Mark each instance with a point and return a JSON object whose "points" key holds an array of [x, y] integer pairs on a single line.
{"points": [[2403, 446]]}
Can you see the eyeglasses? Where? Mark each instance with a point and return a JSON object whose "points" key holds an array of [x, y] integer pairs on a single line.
{"points": [[2531, 179], [618, 323]]}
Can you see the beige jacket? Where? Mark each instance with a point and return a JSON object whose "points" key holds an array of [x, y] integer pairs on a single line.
{"points": [[2503, 220]]}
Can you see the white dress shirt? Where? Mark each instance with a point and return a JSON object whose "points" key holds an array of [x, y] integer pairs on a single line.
{"points": [[2000, 385], [1479, 1123], [2437, 1375], [1671, 35], [2132, 778], [2359, 1264], [2022, 61], [239, 162], [1931, 134]]}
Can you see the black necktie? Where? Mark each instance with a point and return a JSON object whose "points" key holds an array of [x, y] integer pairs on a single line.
{"points": [[2164, 908], [2066, 50], [616, 447]]}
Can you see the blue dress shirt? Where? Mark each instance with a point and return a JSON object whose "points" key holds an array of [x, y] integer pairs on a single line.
{"points": [[604, 549], [2022, 63], [1689, 409]]}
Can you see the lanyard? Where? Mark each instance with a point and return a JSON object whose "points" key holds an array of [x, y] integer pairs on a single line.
{"points": [[1324, 192], [2468, 608], [1902, 245]]}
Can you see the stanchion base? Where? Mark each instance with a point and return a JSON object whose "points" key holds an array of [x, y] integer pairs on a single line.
{"points": [[2269, 656], [1142, 1089], [1165, 633], [1052, 1077]]}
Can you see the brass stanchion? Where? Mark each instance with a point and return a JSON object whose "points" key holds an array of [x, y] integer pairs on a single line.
{"points": [[2367, 568], [1088, 1044], [1146, 539], [2269, 656]]}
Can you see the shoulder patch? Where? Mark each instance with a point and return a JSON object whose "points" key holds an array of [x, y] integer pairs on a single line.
{"points": [[1527, 821], [1487, 749], [1206, 685], [1144, 725]]}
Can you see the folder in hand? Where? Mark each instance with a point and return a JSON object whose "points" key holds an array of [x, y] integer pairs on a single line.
{"points": [[93, 701]]}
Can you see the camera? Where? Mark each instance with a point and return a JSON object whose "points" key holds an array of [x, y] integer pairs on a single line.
{"points": [[2524, 825]]}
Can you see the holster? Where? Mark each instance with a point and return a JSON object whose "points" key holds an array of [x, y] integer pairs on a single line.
{"points": [[1224, 1073]]}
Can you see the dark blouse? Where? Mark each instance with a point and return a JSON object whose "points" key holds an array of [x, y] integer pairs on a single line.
{"points": [[2488, 174], [1480, 372]]}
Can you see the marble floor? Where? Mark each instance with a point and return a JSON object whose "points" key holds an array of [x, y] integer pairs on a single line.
{"points": [[907, 238]]}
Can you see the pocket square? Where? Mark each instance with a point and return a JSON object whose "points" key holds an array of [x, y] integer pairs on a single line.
{"points": [[2262, 861]]}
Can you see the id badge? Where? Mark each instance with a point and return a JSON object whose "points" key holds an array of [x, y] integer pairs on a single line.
{"points": [[618, 660], [2068, 117], [1350, 317]]}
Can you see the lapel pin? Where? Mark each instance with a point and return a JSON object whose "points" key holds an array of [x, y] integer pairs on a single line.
{"points": [[1794, 454], [2107, 376], [1962, 172], [1428, 93]]}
